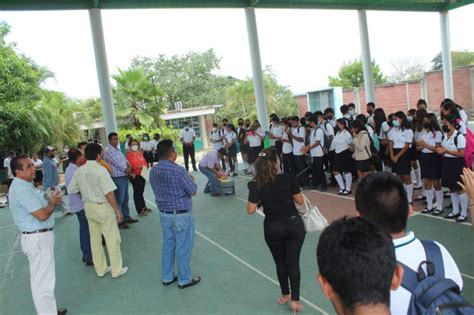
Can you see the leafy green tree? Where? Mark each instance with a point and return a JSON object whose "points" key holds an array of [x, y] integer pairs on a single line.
{"points": [[351, 75], [458, 58], [188, 79], [135, 98]]}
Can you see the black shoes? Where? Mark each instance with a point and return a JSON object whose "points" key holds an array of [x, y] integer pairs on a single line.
{"points": [[194, 281], [62, 311], [170, 282], [215, 194], [131, 220], [123, 226]]}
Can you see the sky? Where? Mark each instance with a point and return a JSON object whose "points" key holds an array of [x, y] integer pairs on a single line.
{"points": [[303, 47]]}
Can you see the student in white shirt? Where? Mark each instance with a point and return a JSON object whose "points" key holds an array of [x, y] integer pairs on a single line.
{"points": [[343, 162], [287, 148], [381, 197], [7, 168], [330, 117], [156, 141], [448, 107], [38, 169], [315, 147], [276, 132], [148, 146], [370, 113], [217, 140], [452, 149], [230, 145], [187, 137], [430, 163], [352, 111], [298, 135], [401, 139], [381, 130], [255, 141], [244, 146]]}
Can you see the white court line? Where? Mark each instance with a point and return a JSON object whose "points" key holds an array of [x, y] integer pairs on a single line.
{"points": [[7, 226], [9, 263], [246, 264]]}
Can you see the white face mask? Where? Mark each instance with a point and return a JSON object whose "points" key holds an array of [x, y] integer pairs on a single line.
{"points": [[66, 150], [134, 147], [214, 129]]}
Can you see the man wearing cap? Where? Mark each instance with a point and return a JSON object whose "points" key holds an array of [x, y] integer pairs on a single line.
{"points": [[32, 215]]}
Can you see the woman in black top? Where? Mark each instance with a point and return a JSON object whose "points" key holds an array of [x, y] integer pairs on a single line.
{"points": [[283, 228]]}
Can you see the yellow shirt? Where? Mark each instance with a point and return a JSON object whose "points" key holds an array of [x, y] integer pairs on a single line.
{"points": [[93, 182]]}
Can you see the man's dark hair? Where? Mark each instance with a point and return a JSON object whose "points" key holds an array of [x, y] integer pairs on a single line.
{"points": [[164, 149], [222, 151], [357, 257], [186, 123], [351, 105], [421, 102], [275, 119], [381, 197], [371, 104], [328, 110], [308, 114], [15, 163], [74, 154], [82, 143], [92, 150], [344, 109], [312, 119], [111, 135], [362, 118], [225, 119]]}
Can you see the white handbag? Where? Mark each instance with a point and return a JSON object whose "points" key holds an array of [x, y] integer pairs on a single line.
{"points": [[312, 218]]}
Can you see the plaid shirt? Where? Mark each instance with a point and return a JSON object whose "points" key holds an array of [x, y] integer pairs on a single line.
{"points": [[116, 160], [50, 173], [172, 186]]}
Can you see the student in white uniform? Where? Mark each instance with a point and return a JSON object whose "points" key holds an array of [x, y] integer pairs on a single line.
{"points": [[401, 139], [381, 130], [448, 107], [287, 148], [276, 132], [217, 141], [452, 150], [315, 147], [330, 117], [352, 111], [244, 146], [187, 137], [298, 135], [230, 145], [343, 162], [148, 146], [381, 197], [370, 113], [255, 141], [430, 163]]}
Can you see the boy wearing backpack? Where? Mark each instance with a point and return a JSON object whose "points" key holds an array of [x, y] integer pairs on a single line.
{"points": [[316, 148], [381, 197]]}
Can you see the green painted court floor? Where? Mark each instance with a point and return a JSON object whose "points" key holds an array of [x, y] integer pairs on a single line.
{"points": [[237, 270]]}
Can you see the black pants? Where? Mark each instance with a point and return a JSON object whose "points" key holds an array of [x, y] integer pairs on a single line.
{"points": [[189, 151], [331, 156], [285, 239], [300, 166], [318, 176], [138, 184], [288, 162], [223, 164]]}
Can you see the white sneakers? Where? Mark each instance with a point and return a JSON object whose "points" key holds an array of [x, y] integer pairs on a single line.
{"points": [[122, 272]]}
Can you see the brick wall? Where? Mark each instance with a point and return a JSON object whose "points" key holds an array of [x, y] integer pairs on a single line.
{"points": [[403, 96]]}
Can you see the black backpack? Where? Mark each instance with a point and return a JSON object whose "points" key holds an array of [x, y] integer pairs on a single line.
{"points": [[432, 293]]}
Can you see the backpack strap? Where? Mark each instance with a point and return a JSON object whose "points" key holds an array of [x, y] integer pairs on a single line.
{"points": [[410, 278], [433, 254]]}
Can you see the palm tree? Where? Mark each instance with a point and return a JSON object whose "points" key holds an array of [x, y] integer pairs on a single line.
{"points": [[135, 98]]}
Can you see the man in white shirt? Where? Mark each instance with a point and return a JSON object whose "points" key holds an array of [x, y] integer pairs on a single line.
{"points": [[8, 170], [381, 197], [276, 132], [352, 111], [370, 113], [315, 148], [298, 135], [187, 137]]}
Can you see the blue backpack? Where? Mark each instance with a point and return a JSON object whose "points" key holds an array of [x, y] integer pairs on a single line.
{"points": [[432, 293]]}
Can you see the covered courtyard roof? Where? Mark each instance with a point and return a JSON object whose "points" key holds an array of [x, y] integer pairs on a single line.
{"points": [[397, 5]]}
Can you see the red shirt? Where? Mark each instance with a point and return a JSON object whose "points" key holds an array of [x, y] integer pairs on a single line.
{"points": [[137, 161]]}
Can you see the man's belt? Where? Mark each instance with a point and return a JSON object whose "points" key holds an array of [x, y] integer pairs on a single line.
{"points": [[38, 231]]}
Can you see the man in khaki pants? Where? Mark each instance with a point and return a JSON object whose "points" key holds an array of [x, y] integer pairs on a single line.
{"points": [[96, 187]]}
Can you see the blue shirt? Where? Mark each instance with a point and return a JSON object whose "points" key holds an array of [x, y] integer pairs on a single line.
{"points": [[75, 200], [172, 186], [117, 161], [50, 171], [25, 199]]}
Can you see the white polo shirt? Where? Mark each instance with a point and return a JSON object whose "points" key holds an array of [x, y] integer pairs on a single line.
{"points": [[187, 135], [410, 252], [315, 136], [216, 140], [6, 165], [342, 141], [287, 146], [254, 140], [400, 137], [230, 136], [449, 144], [147, 145], [297, 145], [384, 129], [431, 138], [276, 131]]}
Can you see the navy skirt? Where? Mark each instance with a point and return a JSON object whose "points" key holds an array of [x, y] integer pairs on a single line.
{"points": [[403, 165], [430, 164], [451, 172]]}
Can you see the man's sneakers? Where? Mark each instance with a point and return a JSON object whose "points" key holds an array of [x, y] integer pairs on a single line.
{"points": [[121, 273], [194, 281], [107, 270]]}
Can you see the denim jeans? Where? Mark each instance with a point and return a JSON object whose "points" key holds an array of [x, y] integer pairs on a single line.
{"points": [[121, 195], [178, 240], [84, 236], [212, 179]]}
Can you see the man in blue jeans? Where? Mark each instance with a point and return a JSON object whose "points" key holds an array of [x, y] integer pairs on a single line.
{"points": [[210, 166], [173, 188], [120, 172]]}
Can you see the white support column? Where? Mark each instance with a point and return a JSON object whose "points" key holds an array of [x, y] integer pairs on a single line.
{"points": [[446, 55], [256, 67], [366, 59], [103, 77]]}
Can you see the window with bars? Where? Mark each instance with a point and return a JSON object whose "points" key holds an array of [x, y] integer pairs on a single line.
{"points": [[178, 123]]}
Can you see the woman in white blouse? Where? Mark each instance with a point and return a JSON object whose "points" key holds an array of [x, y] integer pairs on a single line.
{"points": [[147, 147], [343, 162], [38, 169], [452, 151], [401, 139], [430, 163]]}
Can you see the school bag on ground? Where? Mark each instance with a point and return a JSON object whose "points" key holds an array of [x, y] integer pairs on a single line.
{"points": [[432, 293]]}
